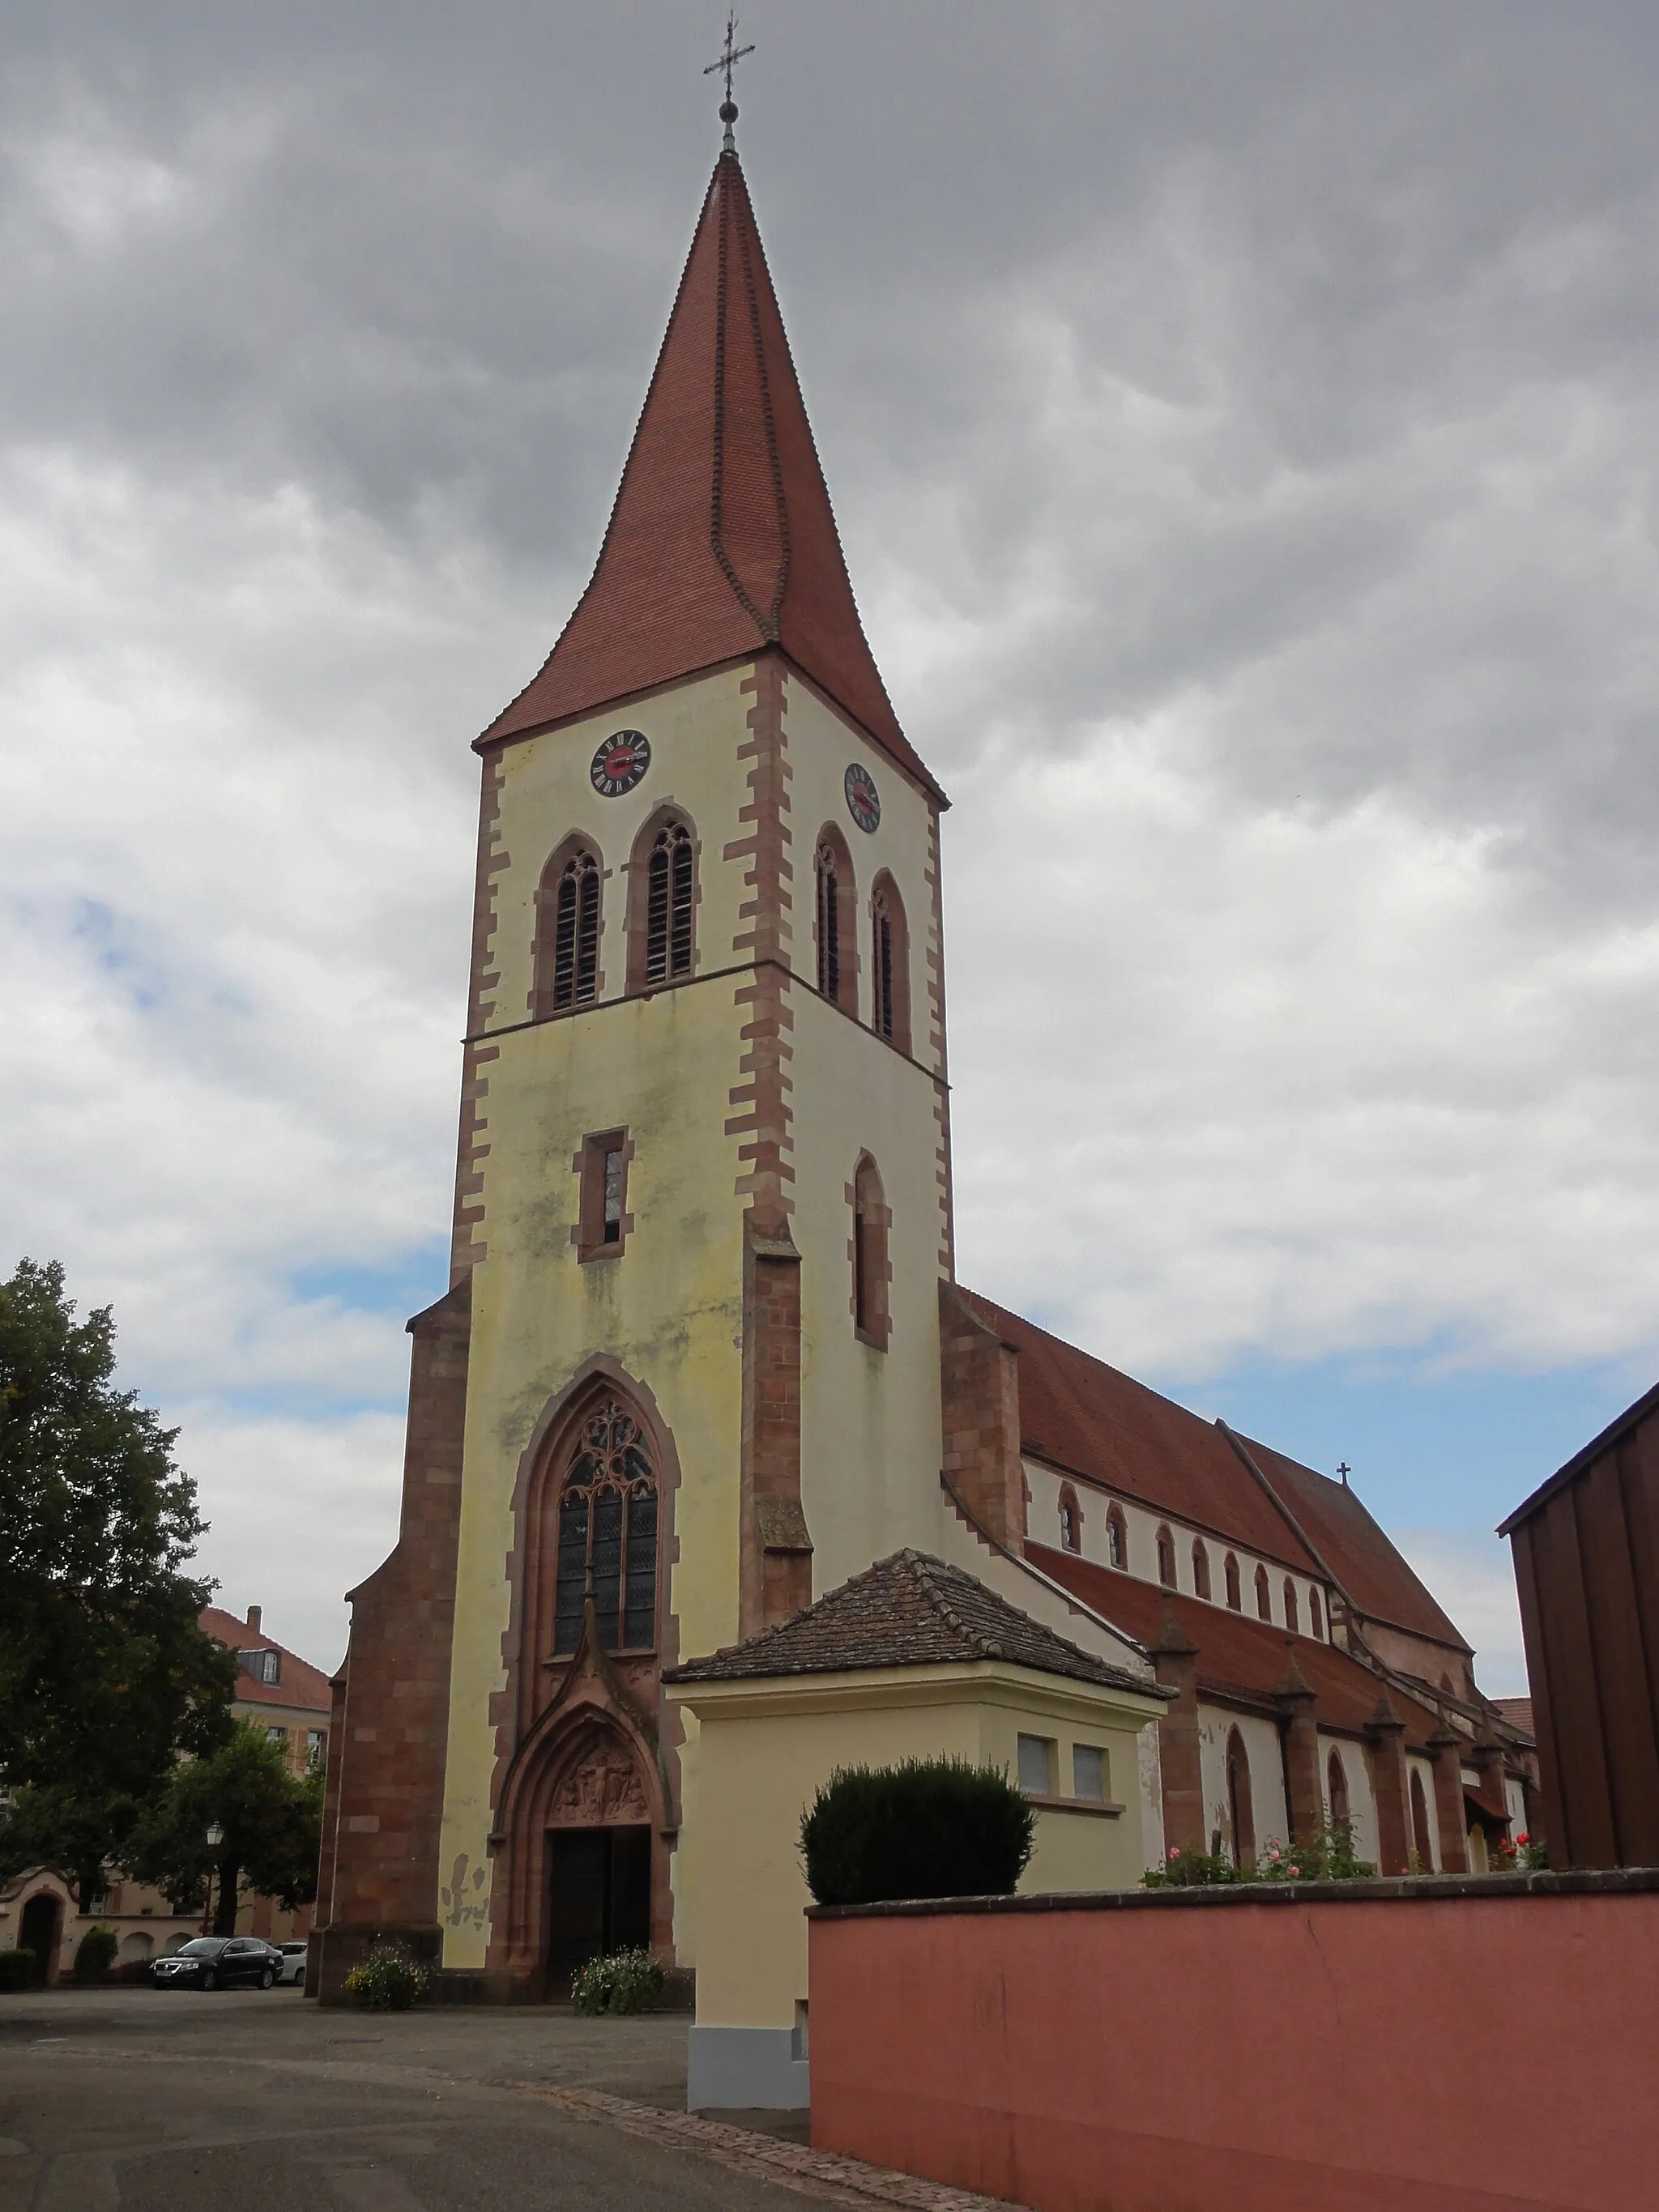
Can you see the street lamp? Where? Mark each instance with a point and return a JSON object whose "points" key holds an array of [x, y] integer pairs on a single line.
{"points": [[216, 1836]]}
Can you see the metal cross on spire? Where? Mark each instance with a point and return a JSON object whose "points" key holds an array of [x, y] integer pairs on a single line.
{"points": [[727, 62]]}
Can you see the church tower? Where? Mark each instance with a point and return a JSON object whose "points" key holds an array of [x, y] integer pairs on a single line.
{"points": [[688, 1375]]}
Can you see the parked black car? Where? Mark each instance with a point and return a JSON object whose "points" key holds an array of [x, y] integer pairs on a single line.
{"points": [[218, 1962]]}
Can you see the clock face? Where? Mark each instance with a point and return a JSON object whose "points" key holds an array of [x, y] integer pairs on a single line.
{"points": [[863, 800], [620, 763]]}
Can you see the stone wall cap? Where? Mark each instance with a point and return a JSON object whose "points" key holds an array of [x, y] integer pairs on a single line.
{"points": [[1394, 1889]]}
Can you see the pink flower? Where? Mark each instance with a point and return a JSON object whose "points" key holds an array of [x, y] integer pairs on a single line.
{"points": [[1175, 1853], [1296, 1869]]}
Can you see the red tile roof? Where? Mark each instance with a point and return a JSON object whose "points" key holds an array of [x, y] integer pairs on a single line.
{"points": [[722, 540], [1517, 1711], [1235, 1653], [1354, 1548], [302, 1685], [1085, 1416], [908, 1610]]}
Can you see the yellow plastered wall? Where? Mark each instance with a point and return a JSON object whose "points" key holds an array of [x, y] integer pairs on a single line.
{"points": [[765, 1750], [668, 1308]]}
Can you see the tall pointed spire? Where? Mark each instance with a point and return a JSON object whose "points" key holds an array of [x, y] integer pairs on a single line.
{"points": [[722, 540]]}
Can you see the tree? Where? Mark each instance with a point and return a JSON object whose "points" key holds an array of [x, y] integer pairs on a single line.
{"points": [[106, 1676], [265, 1826], [76, 1835]]}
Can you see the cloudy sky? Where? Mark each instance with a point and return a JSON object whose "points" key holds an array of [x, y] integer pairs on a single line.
{"points": [[1242, 425]]}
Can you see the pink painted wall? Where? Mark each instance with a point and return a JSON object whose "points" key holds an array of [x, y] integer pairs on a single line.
{"points": [[1472, 2053]]}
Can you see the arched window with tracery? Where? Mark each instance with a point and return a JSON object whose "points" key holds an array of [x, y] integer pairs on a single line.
{"points": [[1292, 1619], [1336, 1790], [1240, 1809], [568, 930], [1200, 1569], [872, 1269], [1315, 1620], [1166, 1558], [1117, 1537], [1421, 1843], [1071, 1521], [890, 964], [1235, 1596], [607, 1534], [1264, 1596], [663, 934], [834, 927]]}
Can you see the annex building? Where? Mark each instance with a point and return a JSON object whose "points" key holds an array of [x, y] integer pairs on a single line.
{"points": [[705, 1362]]}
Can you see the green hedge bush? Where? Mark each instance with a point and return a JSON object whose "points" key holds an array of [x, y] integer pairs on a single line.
{"points": [[928, 1827], [95, 1954], [621, 1981], [17, 1969]]}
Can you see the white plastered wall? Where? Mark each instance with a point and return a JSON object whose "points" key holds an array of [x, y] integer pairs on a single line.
{"points": [[1262, 1746]]}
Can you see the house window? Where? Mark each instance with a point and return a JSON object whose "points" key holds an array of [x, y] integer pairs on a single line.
{"points": [[662, 933], [1336, 1784], [1239, 1807], [1316, 1625], [1117, 1537], [608, 1536], [1071, 1522], [316, 1748], [1229, 1571], [278, 1735], [1166, 1560], [890, 970], [1264, 1597], [263, 1665], [1291, 1618], [1200, 1570], [872, 1269], [605, 1220], [568, 932], [836, 918], [1089, 1773], [1036, 1766]]}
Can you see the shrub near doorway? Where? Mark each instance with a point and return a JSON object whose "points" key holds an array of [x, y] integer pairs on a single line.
{"points": [[621, 1981]]}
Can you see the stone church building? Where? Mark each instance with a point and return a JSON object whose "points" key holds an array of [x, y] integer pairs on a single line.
{"points": [[705, 1360]]}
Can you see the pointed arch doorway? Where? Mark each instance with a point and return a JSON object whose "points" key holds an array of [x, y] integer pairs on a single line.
{"points": [[599, 1862]]}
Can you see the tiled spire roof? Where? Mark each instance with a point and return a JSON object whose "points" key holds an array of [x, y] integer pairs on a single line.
{"points": [[722, 540], [908, 1610]]}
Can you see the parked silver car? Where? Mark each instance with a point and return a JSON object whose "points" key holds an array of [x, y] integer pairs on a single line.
{"points": [[292, 1968]]}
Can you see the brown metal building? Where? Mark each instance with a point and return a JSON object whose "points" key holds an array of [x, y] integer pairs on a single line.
{"points": [[1586, 1552]]}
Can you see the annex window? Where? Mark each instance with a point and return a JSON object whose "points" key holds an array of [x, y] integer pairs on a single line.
{"points": [[567, 930], [1071, 1521], [1336, 1790], [1036, 1766], [263, 1666], [833, 920], [278, 1735], [1166, 1558], [1239, 1810], [603, 1220], [662, 904], [1316, 1625], [872, 1270], [1200, 1569], [1117, 1537], [1230, 1571], [1292, 1618], [316, 1748], [1264, 1597], [890, 964], [608, 1536], [1090, 1775]]}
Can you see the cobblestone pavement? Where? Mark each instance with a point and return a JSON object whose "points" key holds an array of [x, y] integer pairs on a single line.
{"points": [[137, 2100]]}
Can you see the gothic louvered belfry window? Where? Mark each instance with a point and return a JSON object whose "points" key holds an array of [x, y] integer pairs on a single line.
{"points": [[889, 963], [668, 905], [828, 891], [608, 1536], [576, 933]]}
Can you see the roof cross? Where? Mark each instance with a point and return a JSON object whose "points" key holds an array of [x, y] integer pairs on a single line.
{"points": [[1345, 1471], [729, 58]]}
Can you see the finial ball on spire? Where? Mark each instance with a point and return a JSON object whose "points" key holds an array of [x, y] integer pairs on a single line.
{"points": [[728, 111]]}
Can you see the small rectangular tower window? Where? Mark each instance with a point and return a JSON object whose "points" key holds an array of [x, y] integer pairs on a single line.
{"points": [[604, 1219]]}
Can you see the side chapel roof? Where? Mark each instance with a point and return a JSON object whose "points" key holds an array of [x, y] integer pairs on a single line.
{"points": [[908, 1610], [722, 540]]}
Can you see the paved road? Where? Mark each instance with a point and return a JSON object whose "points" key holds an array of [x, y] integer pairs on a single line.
{"points": [[140, 2100]]}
